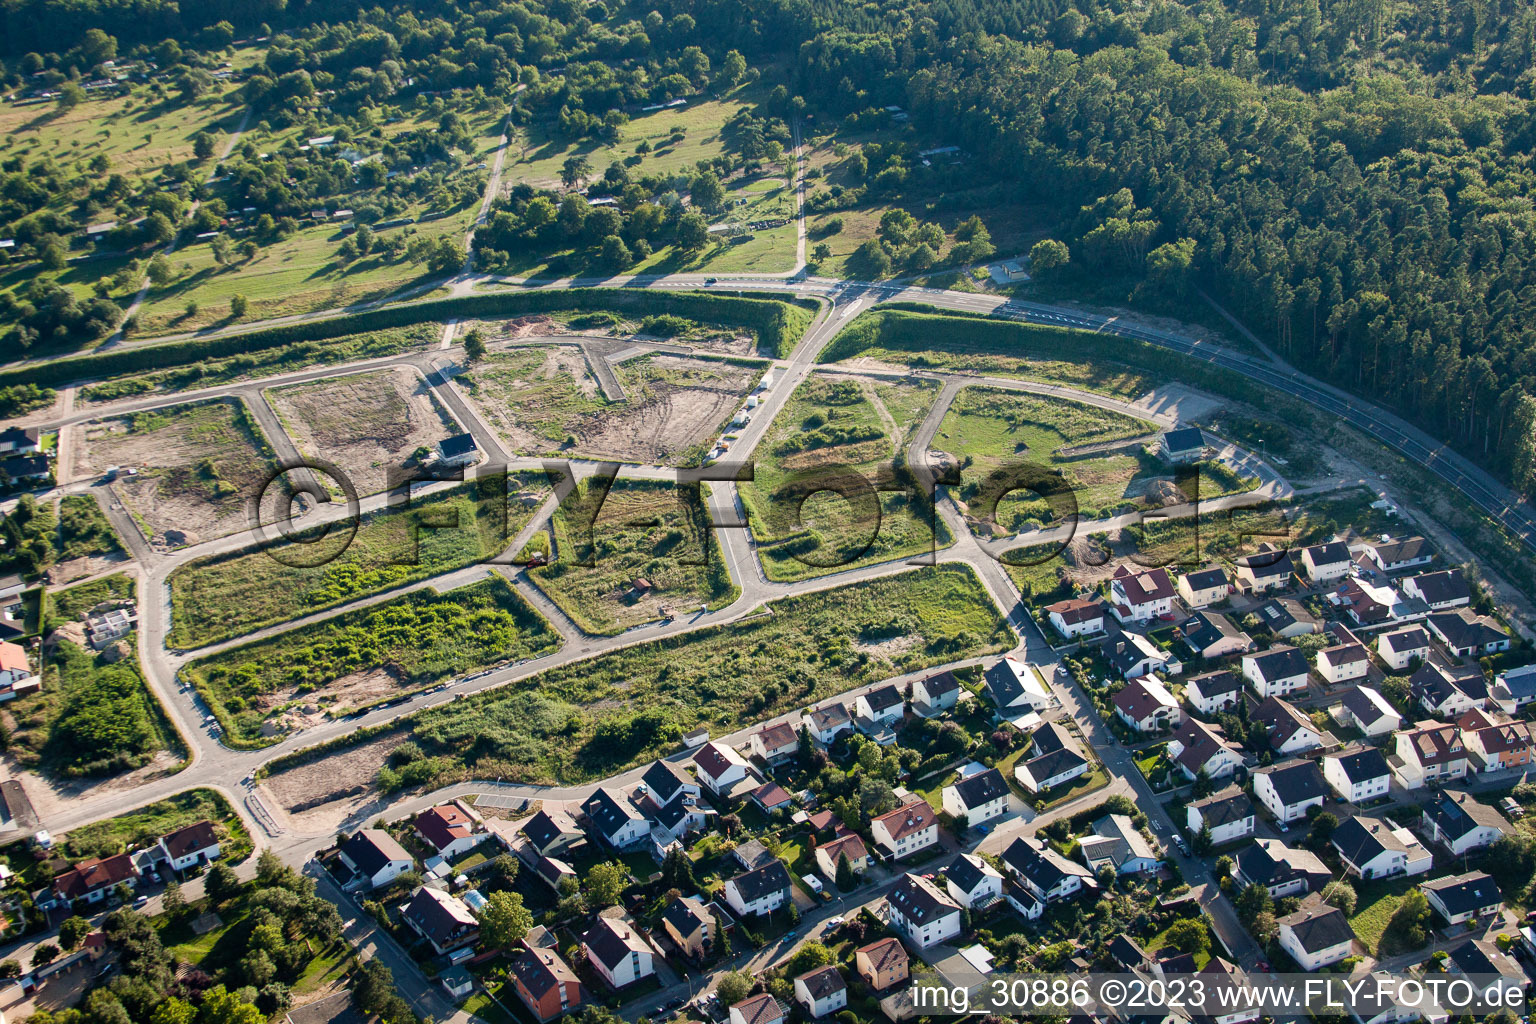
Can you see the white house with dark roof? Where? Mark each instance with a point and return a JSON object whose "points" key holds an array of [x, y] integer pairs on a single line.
{"points": [[1132, 655], [1396, 555], [614, 819], [1140, 596], [1201, 588], [549, 832], [1276, 672], [905, 830], [1229, 815], [1439, 692], [821, 991], [1267, 569], [1286, 618], [720, 768], [1358, 776], [1513, 690], [1213, 691], [1182, 445], [1290, 731], [1057, 759], [1461, 823], [191, 846], [972, 882], [1289, 789], [1440, 590], [1280, 869], [666, 781], [1428, 754], [616, 951], [1343, 662], [776, 742], [1145, 705], [883, 705], [1364, 708], [1373, 848], [375, 859], [1400, 648], [1462, 898], [1466, 634], [1076, 617], [827, 722], [1197, 747], [979, 798], [1324, 563], [458, 450], [1211, 635], [1119, 843], [442, 919], [759, 891], [923, 912], [935, 694], [1016, 686], [1044, 873], [1316, 934]]}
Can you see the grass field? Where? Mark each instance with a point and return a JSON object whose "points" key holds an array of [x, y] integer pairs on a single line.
{"points": [[114, 835], [1376, 903], [74, 601], [200, 466], [591, 718], [835, 425], [84, 530], [644, 530], [265, 689], [225, 596]]}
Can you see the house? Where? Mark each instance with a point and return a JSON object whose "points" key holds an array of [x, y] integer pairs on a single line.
{"points": [[16, 675], [1267, 569], [1400, 648], [759, 891], [1016, 686], [720, 768], [1366, 709], [666, 781], [1396, 555], [973, 882], [552, 832], [1213, 691], [776, 742], [758, 1009], [1140, 596], [821, 991], [449, 829], [545, 983], [1324, 563], [1117, 842], [1461, 824], [458, 450], [1276, 672], [617, 952], [1343, 662], [1368, 603], [770, 797], [882, 964], [883, 705], [1290, 731], [1316, 934], [1440, 590], [191, 846], [1440, 693], [1286, 618], [1197, 747], [1358, 775], [1076, 617], [91, 880], [935, 694], [1466, 634], [1492, 973], [28, 467], [456, 981], [1204, 587], [1494, 745], [1057, 760], [1045, 874], [375, 859], [830, 854], [690, 925], [905, 830], [1288, 789], [1373, 848], [980, 798], [1514, 689], [752, 854], [1462, 898], [1429, 753], [1146, 705], [828, 722], [554, 873], [1282, 870], [615, 819], [1132, 655], [1182, 445], [443, 920], [21, 441], [1211, 635], [922, 912], [1228, 815], [1220, 975]]}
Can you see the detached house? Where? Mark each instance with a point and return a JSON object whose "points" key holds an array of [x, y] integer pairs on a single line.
{"points": [[759, 891], [1514, 689], [1057, 760], [935, 694], [922, 911], [1213, 691], [16, 675], [882, 964], [442, 919], [1045, 874], [1461, 824], [1462, 898], [1440, 590], [1400, 648], [720, 768], [821, 991], [1367, 710], [1358, 776], [1211, 635], [1197, 747], [1076, 617], [449, 830], [1117, 842], [1016, 687], [1140, 596], [776, 742], [545, 983], [1373, 848], [1429, 753], [1396, 555], [690, 925], [550, 833], [1281, 870], [828, 722], [973, 882], [1290, 731], [1205, 587], [1324, 563], [1466, 635], [759, 1009], [1316, 934], [830, 854], [91, 880], [375, 859], [1286, 618], [1146, 705], [614, 819], [1440, 693], [1228, 814], [978, 799], [1267, 569], [1276, 672], [1289, 789], [1343, 662], [883, 705], [617, 952], [1132, 655], [191, 846], [906, 830]]}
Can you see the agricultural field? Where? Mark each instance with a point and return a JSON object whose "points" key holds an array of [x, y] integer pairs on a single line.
{"points": [[264, 690], [843, 423], [652, 551], [365, 423], [199, 466], [597, 716], [226, 596], [549, 401]]}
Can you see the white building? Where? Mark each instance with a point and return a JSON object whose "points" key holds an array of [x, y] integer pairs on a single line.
{"points": [[1358, 776], [1276, 672], [1289, 789], [923, 912], [906, 830], [1400, 648], [759, 891], [821, 991], [980, 798], [1316, 935], [1228, 814], [618, 953]]}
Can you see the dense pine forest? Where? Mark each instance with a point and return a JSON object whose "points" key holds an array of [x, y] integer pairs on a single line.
{"points": [[1352, 178]]}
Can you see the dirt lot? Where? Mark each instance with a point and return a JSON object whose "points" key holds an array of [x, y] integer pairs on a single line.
{"points": [[198, 466], [364, 422], [348, 691], [547, 401], [319, 795]]}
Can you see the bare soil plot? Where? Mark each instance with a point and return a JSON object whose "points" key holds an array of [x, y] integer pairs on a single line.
{"points": [[547, 400], [364, 422], [198, 466], [344, 773]]}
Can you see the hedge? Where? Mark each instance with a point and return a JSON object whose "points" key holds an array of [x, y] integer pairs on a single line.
{"points": [[777, 322]]}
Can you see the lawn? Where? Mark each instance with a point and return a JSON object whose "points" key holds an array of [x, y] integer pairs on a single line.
{"points": [[263, 690], [136, 828], [1160, 940], [74, 602], [592, 718], [831, 427], [644, 532], [84, 531], [1376, 903], [225, 596]]}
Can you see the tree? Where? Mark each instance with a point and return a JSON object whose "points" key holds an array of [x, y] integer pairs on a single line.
{"points": [[474, 345], [692, 232], [732, 69], [504, 920], [202, 145], [1203, 843], [872, 260], [821, 253], [614, 254], [677, 871], [221, 883], [160, 273], [808, 957], [1047, 255], [44, 955], [1189, 936], [10, 969], [70, 95], [1323, 828], [238, 304], [158, 229], [223, 1007], [446, 255], [707, 192], [733, 987], [846, 878], [73, 931], [605, 884], [575, 170], [172, 899], [1407, 929], [1341, 894], [222, 248], [1252, 901]]}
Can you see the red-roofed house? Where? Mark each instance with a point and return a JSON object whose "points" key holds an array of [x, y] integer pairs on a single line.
{"points": [[1140, 596], [449, 829]]}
